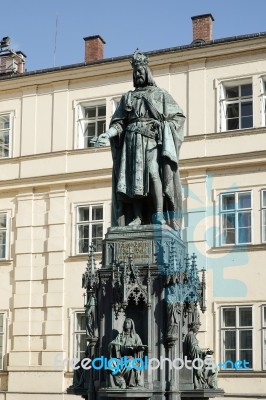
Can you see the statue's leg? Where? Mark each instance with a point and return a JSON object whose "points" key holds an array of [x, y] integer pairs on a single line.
{"points": [[157, 196]]}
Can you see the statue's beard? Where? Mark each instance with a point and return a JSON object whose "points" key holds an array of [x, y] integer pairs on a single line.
{"points": [[140, 81]]}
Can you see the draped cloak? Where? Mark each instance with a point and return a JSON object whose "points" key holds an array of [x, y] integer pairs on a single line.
{"points": [[150, 132]]}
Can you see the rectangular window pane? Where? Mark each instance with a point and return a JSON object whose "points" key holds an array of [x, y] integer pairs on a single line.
{"points": [[246, 122], [4, 143], [230, 355], [264, 198], [246, 90], [83, 246], [245, 339], [97, 230], [90, 129], [246, 355], [230, 340], [228, 202], [83, 214], [232, 124], [90, 112], [80, 346], [100, 127], [264, 316], [97, 243], [264, 349], [97, 213], [244, 227], [244, 200], [4, 122], [232, 110], [245, 316], [229, 317], [229, 228], [244, 219], [264, 228], [101, 111], [1, 351], [80, 322], [246, 109], [232, 92], [3, 220]]}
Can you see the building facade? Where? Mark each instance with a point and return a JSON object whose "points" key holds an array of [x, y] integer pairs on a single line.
{"points": [[55, 199]]}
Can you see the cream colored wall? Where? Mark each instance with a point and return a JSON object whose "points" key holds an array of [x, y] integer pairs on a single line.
{"points": [[47, 178]]}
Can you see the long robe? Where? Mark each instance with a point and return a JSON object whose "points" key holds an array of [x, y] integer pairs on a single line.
{"points": [[150, 127]]}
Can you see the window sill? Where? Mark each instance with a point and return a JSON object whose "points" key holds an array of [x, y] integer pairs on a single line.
{"points": [[238, 248], [241, 373], [82, 257], [6, 261]]}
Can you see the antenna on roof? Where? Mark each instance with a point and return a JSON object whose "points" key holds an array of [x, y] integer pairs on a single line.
{"points": [[55, 39]]}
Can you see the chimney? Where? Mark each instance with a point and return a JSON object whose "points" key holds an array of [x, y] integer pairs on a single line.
{"points": [[94, 48], [10, 61], [202, 27]]}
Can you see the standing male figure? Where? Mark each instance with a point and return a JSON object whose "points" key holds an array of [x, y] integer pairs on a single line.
{"points": [[146, 132]]}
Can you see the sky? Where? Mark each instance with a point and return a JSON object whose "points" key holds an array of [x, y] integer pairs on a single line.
{"points": [[51, 32]]}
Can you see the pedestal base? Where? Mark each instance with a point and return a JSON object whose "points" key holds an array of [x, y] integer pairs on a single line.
{"points": [[130, 394]]}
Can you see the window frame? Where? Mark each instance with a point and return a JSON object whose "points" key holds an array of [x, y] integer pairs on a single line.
{"points": [[237, 328], [263, 211], [3, 335], [225, 85], [10, 135], [7, 230], [78, 332], [263, 103], [236, 212], [89, 222], [263, 337], [81, 120]]}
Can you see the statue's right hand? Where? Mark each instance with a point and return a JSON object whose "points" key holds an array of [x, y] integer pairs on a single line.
{"points": [[102, 140]]}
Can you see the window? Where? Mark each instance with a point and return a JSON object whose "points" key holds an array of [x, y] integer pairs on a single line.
{"points": [[263, 103], [2, 339], [89, 228], [91, 123], [263, 214], [264, 335], [236, 218], [5, 135], [237, 106], [3, 235], [79, 335], [237, 340]]}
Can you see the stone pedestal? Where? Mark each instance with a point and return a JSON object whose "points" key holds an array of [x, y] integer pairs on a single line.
{"points": [[147, 277]]}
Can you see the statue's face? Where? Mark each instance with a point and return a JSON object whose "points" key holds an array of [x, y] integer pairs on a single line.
{"points": [[196, 328], [140, 75], [127, 324]]}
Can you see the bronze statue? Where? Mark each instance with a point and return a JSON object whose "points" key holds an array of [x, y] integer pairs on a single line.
{"points": [[127, 344], [203, 377], [146, 132]]}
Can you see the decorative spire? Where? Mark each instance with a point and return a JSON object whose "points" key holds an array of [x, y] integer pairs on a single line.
{"points": [[138, 58], [89, 278]]}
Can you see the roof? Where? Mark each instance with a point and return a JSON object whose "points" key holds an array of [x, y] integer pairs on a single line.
{"points": [[154, 52]]}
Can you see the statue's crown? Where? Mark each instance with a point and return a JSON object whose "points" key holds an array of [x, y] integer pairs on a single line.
{"points": [[138, 58]]}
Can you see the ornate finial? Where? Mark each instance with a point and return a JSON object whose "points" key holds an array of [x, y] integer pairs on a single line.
{"points": [[138, 58]]}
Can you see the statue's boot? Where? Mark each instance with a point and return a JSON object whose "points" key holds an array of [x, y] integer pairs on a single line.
{"points": [[158, 218], [135, 222]]}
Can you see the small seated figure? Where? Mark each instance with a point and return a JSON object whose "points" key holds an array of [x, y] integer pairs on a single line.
{"points": [[204, 377], [127, 344]]}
